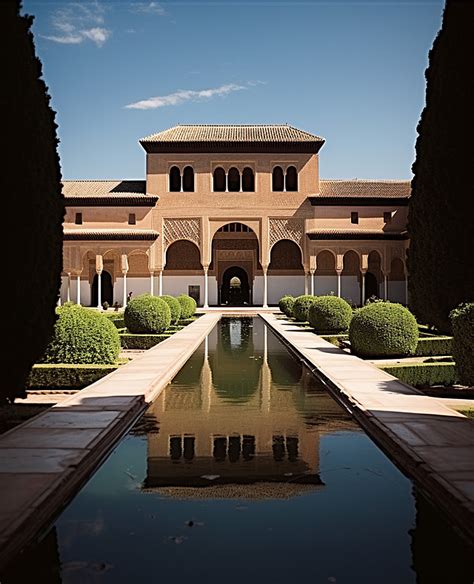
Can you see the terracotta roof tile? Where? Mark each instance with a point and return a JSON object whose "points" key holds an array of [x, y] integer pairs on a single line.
{"points": [[103, 188], [364, 188], [232, 133], [110, 234]]}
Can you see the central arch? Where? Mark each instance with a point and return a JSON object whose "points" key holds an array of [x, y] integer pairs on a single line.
{"points": [[235, 287], [106, 289]]}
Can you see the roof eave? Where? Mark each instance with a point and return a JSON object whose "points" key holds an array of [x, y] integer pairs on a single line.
{"points": [[325, 201], [158, 147]]}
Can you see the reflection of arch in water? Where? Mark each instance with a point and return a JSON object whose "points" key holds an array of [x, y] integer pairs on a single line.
{"points": [[235, 380], [285, 369]]}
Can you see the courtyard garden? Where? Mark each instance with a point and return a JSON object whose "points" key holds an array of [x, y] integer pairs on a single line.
{"points": [[388, 335]]}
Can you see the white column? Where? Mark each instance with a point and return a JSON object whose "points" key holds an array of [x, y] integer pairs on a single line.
{"points": [[306, 283], [99, 289], [362, 288], [124, 303], [339, 283], [99, 266], [160, 283], [385, 287], [265, 288], [406, 289], [68, 290], [311, 275], [78, 290], [152, 282], [206, 287]]}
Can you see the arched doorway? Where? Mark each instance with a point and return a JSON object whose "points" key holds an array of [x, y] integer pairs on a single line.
{"points": [[107, 289], [235, 289], [371, 285]]}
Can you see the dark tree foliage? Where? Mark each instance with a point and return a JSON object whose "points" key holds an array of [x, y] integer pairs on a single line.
{"points": [[31, 190], [440, 222]]}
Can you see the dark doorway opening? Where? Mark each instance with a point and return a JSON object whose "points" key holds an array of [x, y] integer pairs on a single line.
{"points": [[107, 289], [371, 286], [235, 288]]}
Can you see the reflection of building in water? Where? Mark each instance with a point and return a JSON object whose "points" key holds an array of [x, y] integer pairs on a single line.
{"points": [[237, 415]]}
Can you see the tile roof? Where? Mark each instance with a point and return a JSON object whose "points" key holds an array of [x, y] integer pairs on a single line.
{"points": [[232, 133], [325, 234], [110, 234], [364, 188], [107, 192]]}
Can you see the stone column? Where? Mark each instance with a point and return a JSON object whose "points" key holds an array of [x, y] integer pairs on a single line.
{"points": [[160, 283], [362, 287], [406, 289], [306, 282], [311, 275], [206, 286], [78, 289], [124, 261], [68, 290], [339, 272], [385, 285], [99, 266], [265, 286], [152, 283]]}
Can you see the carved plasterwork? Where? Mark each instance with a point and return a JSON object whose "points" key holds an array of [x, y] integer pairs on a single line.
{"points": [[176, 229], [292, 229], [235, 255]]}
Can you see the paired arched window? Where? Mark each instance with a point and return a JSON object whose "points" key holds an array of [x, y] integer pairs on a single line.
{"points": [[233, 181], [284, 181], [181, 182]]}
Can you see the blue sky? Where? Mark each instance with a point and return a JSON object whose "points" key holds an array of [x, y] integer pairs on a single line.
{"points": [[352, 72]]}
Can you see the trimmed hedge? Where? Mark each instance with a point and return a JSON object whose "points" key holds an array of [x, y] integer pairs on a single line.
{"points": [[175, 307], [285, 304], [462, 322], [147, 314], [131, 341], [66, 376], [117, 318], [188, 305], [423, 374], [434, 346], [383, 329], [301, 307], [82, 336], [330, 314]]}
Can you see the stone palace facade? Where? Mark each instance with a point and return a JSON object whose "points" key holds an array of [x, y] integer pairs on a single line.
{"points": [[234, 215]]}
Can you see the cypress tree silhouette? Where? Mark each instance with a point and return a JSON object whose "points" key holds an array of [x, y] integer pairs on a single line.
{"points": [[440, 226], [33, 202]]}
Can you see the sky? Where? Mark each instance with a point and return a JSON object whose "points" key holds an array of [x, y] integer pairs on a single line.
{"points": [[351, 72]]}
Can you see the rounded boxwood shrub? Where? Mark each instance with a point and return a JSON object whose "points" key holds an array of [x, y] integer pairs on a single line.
{"points": [[188, 305], [330, 314], [383, 329], [147, 314], [285, 304], [462, 322], [301, 307], [82, 335], [175, 307]]}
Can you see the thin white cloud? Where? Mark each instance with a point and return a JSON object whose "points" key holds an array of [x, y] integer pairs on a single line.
{"points": [[77, 22], [148, 8], [186, 95]]}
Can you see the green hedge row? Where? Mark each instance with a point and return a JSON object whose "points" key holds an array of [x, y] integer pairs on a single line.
{"points": [[434, 346], [423, 374], [67, 376], [142, 341]]}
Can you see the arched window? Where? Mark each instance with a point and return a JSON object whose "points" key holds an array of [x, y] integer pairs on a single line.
{"points": [[175, 180], [248, 180], [188, 179], [219, 180], [233, 180], [277, 179], [291, 179]]}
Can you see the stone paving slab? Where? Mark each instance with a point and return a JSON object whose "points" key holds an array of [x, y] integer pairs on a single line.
{"points": [[431, 443], [45, 460]]}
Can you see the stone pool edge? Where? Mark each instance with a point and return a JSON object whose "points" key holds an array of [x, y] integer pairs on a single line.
{"points": [[46, 460], [414, 430]]}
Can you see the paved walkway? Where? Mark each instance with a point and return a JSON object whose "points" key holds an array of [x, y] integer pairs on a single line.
{"points": [[44, 461], [432, 443]]}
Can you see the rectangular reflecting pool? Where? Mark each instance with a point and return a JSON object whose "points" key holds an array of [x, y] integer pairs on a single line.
{"points": [[246, 470]]}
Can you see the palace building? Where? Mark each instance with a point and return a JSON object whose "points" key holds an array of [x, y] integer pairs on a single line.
{"points": [[234, 215]]}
